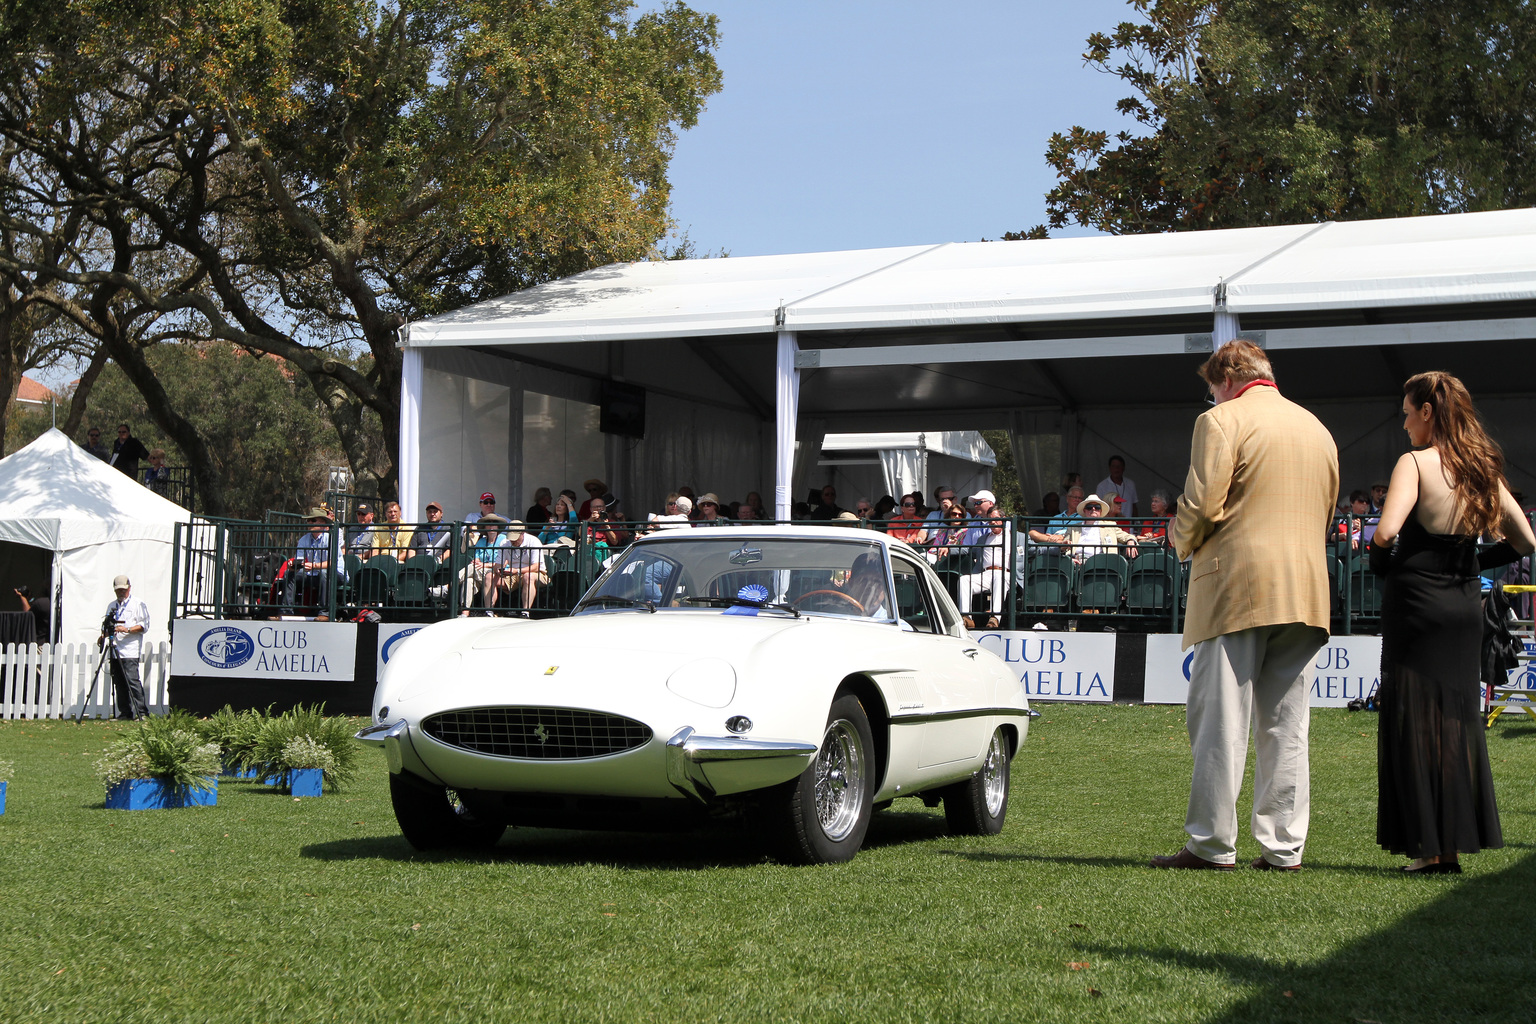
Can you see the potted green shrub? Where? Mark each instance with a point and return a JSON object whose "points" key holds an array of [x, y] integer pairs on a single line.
{"points": [[309, 724], [6, 769], [236, 733], [161, 764], [307, 761]]}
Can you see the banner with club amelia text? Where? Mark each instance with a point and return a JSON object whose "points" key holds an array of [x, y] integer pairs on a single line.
{"points": [[1347, 668], [252, 649], [1057, 666]]}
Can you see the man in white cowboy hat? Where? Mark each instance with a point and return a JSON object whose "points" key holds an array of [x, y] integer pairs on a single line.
{"points": [[130, 618], [1093, 533]]}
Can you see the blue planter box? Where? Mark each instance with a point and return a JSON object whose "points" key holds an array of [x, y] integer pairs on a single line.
{"points": [[305, 781], [154, 794], [2, 797]]}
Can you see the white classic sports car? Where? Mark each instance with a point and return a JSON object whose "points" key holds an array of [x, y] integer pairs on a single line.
{"points": [[796, 677]]}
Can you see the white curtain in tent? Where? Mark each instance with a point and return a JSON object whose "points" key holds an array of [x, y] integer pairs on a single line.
{"points": [[904, 470]]}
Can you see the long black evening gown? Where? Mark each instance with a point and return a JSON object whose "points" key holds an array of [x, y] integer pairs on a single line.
{"points": [[1435, 786]]}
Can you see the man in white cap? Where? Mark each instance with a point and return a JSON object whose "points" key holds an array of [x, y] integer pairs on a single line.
{"points": [[129, 618]]}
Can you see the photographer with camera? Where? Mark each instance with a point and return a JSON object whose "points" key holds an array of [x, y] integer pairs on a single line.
{"points": [[126, 620]]}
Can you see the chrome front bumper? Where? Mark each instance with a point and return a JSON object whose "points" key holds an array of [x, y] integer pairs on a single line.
{"points": [[704, 767], [388, 736]]}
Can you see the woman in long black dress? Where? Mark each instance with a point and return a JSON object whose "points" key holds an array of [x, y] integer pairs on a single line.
{"points": [[1436, 795]]}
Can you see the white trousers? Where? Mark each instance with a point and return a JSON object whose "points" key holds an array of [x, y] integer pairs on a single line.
{"points": [[1256, 676], [991, 580]]}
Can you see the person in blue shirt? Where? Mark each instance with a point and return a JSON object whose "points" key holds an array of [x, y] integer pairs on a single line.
{"points": [[312, 560]]}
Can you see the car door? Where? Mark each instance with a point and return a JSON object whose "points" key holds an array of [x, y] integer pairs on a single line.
{"points": [[948, 686]]}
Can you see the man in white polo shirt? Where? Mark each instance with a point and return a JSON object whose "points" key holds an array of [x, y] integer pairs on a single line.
{"points": [[129, 619]]}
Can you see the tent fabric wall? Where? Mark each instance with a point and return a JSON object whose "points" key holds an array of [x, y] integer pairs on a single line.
{"points": [[97, 523]]}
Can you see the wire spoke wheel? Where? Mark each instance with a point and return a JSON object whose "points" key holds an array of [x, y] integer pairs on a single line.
{"points": [[842, 776], [977, 806], [994, 775], [821, 817]]}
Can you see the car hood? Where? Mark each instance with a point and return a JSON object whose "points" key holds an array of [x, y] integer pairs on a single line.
{"points": [[580, 659]]}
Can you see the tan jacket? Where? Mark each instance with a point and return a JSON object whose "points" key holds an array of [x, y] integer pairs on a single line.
{"points": [[1263, 477]]}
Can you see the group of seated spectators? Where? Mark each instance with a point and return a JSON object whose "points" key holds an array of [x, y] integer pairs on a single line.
{"points": [[970, 534]]}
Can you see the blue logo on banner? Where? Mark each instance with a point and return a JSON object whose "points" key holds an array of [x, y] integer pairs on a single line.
{"points": [[226, 647], [394, 641]]}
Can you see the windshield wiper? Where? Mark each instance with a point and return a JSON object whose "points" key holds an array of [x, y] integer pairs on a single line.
{"points": [[623, 602], [742, 602]]}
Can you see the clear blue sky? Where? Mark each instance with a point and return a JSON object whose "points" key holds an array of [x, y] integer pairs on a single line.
{"points": [[851, 124]]}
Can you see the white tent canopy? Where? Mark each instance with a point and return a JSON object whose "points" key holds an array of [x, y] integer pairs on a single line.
{"points": [[1092, 339], [96, 523]]}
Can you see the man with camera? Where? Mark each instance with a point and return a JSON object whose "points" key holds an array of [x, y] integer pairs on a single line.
{"points": [[126, 620]]}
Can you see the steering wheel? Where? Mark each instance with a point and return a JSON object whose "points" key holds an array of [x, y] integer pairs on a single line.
{"points": [[830, 593]]}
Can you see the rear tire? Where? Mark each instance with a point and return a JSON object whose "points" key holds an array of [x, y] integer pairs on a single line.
{"points": [[821, 817], [978, 806], [432, 817]]}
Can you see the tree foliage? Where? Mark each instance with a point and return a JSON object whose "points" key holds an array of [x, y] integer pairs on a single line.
{"points": [[1255, 112], [268, 440], [302, 177]]}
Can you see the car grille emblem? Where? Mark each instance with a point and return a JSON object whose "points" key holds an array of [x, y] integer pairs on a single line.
{"points": [[540, 735], [552, 670]]}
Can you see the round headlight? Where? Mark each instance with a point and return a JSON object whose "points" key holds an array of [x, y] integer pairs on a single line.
{"points": [[708, 681]]}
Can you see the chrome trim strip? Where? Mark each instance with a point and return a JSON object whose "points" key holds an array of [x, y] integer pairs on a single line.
{"points": [[688, 753], [944, 716]]}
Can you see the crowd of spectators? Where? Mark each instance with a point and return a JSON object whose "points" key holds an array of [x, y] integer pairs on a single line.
{"points": [[969, 534]]}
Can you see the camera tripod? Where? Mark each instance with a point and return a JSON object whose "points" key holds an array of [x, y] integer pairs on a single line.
{"points": [[108, 652]]}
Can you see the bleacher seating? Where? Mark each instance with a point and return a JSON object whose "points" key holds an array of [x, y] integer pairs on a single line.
{"points": [[1101, 582]]}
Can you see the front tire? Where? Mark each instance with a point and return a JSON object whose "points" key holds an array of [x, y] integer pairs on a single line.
{"points": [[432, 817], [823, 815], [977, 806]]}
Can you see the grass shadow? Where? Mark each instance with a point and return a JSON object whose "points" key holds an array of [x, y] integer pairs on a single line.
{"points": [[1433, 964], [681, 851]]}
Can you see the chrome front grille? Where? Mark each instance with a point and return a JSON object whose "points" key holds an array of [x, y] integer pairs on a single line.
{"points": [[544, 734]]}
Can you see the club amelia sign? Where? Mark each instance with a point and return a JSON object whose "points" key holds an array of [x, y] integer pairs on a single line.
{"points": [[1347, 668], [249, 649], [1057, 666]]}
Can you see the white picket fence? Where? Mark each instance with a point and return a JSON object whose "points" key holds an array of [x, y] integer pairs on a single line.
{"points": [[51, 681]]}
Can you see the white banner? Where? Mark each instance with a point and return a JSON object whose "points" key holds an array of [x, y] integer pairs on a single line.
{"points": [[251, 649], [1347, 668], [1057, 666], [1524, 677], [391, 636]]}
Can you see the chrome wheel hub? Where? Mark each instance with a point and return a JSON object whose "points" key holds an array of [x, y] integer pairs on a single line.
{"points": [[994, 774], [841, 779]]}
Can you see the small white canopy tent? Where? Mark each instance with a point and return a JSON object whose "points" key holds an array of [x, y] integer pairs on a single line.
{"points": [[91, 522], [899, 463]]}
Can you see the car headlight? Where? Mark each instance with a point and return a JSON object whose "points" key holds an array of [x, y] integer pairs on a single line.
{"points": [[708, 681]]}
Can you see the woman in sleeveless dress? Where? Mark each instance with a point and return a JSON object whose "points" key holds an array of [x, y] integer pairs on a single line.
{"points": [[1435, 790]]}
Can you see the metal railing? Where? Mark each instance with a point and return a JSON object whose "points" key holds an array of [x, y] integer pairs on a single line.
{"points": [[241, 569]]}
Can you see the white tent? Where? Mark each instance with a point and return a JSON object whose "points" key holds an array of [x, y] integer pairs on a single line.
{"points": [[1081, 348], [901, 462], [92, 523]]}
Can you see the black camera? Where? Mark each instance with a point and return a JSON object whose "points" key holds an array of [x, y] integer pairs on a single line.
{"points": [[108, 624]]}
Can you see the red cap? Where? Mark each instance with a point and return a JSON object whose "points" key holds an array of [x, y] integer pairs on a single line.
{"points": [[488, 496]]}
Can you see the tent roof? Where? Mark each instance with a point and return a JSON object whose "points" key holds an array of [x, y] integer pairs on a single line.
{"points": [[56, 495], [1416, 261]]}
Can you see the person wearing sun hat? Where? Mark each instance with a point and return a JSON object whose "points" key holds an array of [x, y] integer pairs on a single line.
{"points": [[488, 562], [311, 559], [524, 571], [1093, 534]]}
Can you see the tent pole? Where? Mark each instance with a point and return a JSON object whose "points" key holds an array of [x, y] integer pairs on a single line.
{"points": [[411, 374], [786, 414]]}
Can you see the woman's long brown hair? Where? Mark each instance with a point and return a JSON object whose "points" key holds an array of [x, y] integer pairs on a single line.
{"points": [[1471, 458]]}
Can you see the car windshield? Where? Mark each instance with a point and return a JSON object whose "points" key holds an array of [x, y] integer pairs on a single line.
{"points": [[787, 575]]}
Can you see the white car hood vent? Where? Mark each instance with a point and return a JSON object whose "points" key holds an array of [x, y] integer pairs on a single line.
{"points": [[540, 734]]}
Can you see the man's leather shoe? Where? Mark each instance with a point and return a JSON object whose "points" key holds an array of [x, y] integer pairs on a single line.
{"points": [[1186, 861], [1260, 864]]}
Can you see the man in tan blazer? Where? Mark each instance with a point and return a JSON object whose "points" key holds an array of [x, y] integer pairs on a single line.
{"points": [[1262, 480]]}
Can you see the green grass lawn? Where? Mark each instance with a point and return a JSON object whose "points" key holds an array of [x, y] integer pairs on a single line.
{"points": [[268, 909]]}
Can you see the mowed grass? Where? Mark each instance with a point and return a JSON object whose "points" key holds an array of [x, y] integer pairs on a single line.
{"points": [[267, 909]]}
